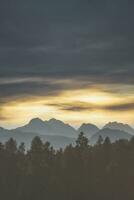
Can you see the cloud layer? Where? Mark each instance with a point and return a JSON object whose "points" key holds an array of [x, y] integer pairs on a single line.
{"points": [[50, 47]]}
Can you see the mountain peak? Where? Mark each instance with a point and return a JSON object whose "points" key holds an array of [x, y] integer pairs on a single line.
{"points": [[89, 125], [53, 120], [88, 129], [119, 126], [36, 121], [56, 122], [115, 123], [50, 127]]}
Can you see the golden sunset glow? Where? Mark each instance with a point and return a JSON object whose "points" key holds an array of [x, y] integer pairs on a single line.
{"points": [[74, 107]]}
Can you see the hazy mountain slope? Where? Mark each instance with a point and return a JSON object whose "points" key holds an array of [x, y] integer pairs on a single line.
{"points": [[56, 141], [111, 133], [88, 129], [4, 134], [54, 131], [36, 126], [61, 128], [120, 126], [51, 127]]}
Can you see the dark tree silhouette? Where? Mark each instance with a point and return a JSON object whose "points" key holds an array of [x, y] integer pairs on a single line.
{"points": [[103, 171]]}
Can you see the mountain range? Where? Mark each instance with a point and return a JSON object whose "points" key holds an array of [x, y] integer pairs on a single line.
{"points": [[51, 127], [60, 134]]}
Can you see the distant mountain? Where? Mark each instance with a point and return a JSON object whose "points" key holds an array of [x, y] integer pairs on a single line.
{"points": [[60, 128], [54, 131], [58, 141], [36, 125], [120, 126], [113, 135], [51, 127], [60, 134], [27, 137], [88, 129]]}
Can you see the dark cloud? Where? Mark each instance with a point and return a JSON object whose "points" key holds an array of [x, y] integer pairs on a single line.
{"points": [[22, 88], [77, 108], [82, 106], [88, 40], [13, 91], [73, 107], [121, 107]]}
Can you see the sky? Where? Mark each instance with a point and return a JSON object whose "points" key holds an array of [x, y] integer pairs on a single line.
{"points": [[67, 59]]}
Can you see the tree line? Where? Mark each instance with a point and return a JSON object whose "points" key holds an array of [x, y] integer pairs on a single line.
{"points": [[79, 172]]}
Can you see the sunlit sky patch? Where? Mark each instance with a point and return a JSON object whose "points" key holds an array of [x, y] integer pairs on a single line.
{"points": [[72, 106]]}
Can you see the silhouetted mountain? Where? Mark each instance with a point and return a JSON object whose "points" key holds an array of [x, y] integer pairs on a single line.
{"points": [[61, 128], [88, 129], [60, 134], [111, 133], [51, 127], [120, 126], [54, 131], [35, 126]]}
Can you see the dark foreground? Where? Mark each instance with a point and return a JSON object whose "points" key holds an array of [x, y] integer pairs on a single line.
{"points": [[81, 172]]}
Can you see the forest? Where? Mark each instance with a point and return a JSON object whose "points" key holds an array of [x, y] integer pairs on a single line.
{"points": [[104, 171]]}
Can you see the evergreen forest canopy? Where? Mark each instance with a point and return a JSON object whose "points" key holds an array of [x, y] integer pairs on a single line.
{"points": [[103, 171]]}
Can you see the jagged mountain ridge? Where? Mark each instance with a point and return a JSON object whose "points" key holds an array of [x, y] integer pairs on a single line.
{"points": [[120, 126], [60, 134], [56, 141], [88, 129], [51, 127]]}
